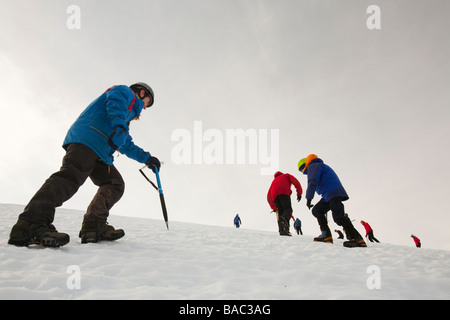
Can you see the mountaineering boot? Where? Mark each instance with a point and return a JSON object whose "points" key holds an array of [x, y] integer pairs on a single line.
{"points": [[325, 239], [356, 240], [325, 229], [352, 243], [92, 232], [285, 233], [283, 227], [325, 236], [24, 233]]}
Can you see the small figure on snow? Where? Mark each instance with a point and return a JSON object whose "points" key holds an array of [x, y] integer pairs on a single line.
{"points": [[323, 180], [237, 221], [416, 241], [100, 130], [298, 226], [279, 198], [369, 231]]}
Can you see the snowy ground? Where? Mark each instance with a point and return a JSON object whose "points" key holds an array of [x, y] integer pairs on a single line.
{"points": [[203, 262]]}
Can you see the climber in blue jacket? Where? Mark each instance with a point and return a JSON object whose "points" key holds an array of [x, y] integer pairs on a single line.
{"points": [[100, 130], [104, 125], [237, 221], [323, 180]]}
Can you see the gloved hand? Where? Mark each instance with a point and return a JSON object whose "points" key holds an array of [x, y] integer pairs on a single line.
{"points": [[308, 204], [299, 198], [117, 137], [152, 162]]}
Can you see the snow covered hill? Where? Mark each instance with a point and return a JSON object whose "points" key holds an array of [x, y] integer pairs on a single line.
{"points": [[203, 262]]}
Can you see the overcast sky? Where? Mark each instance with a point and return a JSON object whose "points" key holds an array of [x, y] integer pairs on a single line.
{"points": [[373, 104]]}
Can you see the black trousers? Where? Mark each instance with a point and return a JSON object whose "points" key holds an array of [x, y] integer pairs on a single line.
{"points": [[79, 163], [371, 237], [284, 208], [337, 209]]}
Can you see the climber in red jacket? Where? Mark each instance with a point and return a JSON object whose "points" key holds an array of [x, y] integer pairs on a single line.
{"points": [[416, 241], [369, 231], [279, 198]]}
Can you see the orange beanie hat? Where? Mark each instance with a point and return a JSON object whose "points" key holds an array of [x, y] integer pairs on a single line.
{"points": [[309, 158]]}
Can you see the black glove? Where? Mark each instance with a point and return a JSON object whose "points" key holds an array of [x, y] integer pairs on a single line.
{"points": [[299, 198], [308, 204], [153, 162]]}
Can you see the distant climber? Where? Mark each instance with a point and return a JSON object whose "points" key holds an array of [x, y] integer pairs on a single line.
{"points": [[416, 241], [369, 231], [237, 221], [298, 226]]}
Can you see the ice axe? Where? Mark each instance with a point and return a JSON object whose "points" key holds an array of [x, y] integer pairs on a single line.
{"points": [[161, 194]]}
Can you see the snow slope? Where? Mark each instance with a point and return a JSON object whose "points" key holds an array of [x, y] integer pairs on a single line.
{"points": [[203, 262]]}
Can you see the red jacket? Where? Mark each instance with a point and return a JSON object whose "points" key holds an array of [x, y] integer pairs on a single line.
{"points": [[367, 227], [416, 240], [282, 185]]}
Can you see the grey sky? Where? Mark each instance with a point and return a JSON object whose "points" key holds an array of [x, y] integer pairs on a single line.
{"points": [[373, 104]]}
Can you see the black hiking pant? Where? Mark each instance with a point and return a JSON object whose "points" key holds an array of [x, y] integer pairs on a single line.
{"points": [[337, 209], [79, 163], [284, 208], [371, 237]]}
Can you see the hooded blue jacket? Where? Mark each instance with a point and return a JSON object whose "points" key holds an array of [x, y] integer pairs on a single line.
{"points": [[323, 180], [116, 107]]}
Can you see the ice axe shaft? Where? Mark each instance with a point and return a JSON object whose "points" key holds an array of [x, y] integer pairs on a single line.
{"points": [[161, 194]]}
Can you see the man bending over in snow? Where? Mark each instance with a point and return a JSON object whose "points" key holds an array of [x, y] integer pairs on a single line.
{"points": [[323, 180], [279, 198], [100, 130]]}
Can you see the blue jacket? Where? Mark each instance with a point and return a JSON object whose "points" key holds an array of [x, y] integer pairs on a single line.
{"points": [[116, 107], [323, 180]]}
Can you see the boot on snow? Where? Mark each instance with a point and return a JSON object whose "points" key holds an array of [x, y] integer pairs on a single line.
{"points": [[283, 227], [356, 240], [24, 233], [353, 243], [325, 237], [92, 232], [325, 240], [285, 233]]}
